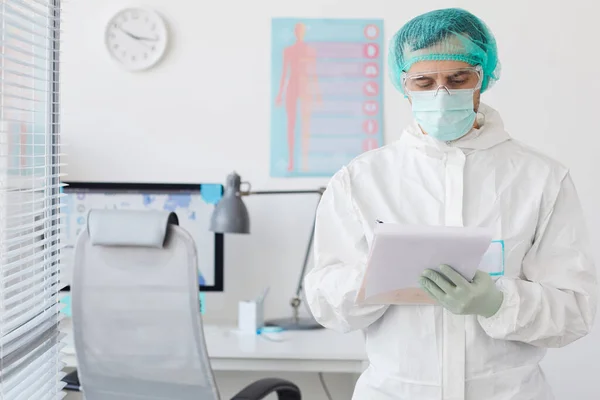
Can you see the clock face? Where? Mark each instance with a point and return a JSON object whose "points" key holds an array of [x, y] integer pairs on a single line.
{"points": [[136, 38]]}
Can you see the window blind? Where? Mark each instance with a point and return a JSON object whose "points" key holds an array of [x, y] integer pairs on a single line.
{"points": [[30, 341]]}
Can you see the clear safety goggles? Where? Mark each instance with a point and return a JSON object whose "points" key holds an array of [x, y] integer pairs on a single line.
{"points": [[468, 78]]}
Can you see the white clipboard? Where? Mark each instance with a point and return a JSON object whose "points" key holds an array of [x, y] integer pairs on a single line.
{"points": [[400, 253]]}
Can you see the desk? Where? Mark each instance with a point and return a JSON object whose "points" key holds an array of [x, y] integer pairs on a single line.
{"points": [[318, 350]]}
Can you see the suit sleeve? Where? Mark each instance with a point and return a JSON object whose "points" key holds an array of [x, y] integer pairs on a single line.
{"points": [[340, 256], [555, 302]]}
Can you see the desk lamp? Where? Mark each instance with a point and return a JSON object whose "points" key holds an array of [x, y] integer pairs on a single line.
{"points": [[231, 216]]}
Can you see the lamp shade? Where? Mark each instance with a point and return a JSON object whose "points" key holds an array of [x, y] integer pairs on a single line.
{"points": [[230, 214]]}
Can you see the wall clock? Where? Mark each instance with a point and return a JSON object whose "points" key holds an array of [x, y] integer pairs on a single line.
{"points": [[136, 38]]}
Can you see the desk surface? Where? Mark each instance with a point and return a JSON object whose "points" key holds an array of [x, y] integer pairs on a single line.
{"points": [[320, 350]]}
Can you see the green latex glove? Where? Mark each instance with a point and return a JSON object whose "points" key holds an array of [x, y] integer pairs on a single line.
{"points": [[459, 296]]}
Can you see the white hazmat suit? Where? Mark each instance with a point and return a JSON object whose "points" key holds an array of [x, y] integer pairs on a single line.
{"points": [[423, 352]]}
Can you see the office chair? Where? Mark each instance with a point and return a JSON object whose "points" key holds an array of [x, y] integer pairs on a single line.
{"points": [[136, 316]]}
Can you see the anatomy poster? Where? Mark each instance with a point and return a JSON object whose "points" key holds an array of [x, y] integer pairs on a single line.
{"points": [[326, 93]]}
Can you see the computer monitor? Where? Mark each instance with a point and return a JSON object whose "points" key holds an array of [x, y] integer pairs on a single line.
{"points": [[193, 204]]}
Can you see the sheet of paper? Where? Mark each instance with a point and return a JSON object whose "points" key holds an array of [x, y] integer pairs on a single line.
{"points": [[400, 254]]}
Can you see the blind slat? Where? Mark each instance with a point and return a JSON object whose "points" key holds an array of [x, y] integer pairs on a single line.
{"points": [[33, 302], [24, 250], [53, 231], [9, 191], [17, 97], [43, 284], [49, 314], [21, 239], [50, 378], [33, 202], [45, 16], [34, 133], [20, 74], [26, 228], [38, 279], [41, 55], [35, 274], [19, 382], [29, 270], [30, 112], [15, 357], [46, 4], [21, 216], [24, 52], [27, 234], [10, 84], [29, 148], [15, 22], [10, 324], [22, 122], [32, 146], [5, 58]]}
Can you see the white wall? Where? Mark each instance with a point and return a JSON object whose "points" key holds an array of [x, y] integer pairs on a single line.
{"points": [[205, 112]]}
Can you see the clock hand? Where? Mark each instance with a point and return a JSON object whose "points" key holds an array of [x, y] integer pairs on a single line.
{"points": [[131, 35], [141, 37], [134, 37], [146, 38]]}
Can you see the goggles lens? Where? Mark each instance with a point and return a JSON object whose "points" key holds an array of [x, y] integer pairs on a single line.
{"points": [[457, 79]]}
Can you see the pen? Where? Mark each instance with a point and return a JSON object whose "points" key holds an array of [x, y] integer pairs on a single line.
{"points": [[379, 221]]}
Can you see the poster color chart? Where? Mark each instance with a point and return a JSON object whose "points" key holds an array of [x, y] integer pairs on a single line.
{"points": [[326, 93]]}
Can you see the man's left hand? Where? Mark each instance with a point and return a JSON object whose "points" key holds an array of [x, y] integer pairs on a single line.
{"points": [[459, 296]]}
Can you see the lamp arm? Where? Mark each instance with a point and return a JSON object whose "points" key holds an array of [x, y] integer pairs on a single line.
{"points": [[306, 258], [312, 231], [296, 300]]}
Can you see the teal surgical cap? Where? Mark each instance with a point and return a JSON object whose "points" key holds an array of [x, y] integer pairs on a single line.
{"points": [[448, 34]]}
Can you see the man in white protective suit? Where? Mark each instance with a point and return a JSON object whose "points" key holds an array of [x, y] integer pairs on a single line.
{"points": [[455, 165]]}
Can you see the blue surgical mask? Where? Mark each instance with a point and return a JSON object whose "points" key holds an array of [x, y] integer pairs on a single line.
{"points": [[444, 114]]}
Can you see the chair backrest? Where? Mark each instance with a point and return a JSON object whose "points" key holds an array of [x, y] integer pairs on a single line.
{"points": [[136, 314]]}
